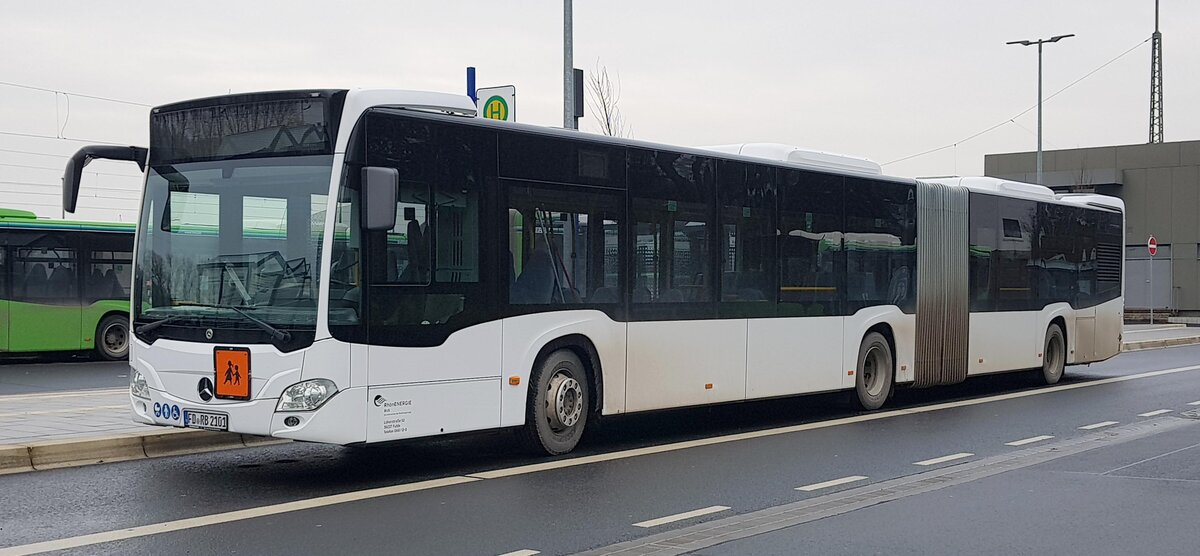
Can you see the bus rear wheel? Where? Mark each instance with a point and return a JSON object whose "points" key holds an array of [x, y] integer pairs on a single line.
{"points": [[1054, 356], [873, 377], [557, 408], [112, 338]]}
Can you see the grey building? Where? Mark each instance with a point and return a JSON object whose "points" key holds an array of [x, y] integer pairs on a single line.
{"points": [[1160, 184]]}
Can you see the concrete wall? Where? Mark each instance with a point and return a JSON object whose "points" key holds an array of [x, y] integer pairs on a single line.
{"points": [[1160, 184]]}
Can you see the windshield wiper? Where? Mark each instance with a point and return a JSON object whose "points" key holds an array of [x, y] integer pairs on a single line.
{"points": [[278, 335], [150, 326]]}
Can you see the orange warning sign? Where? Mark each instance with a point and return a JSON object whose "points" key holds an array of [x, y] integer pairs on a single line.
{"points": [[233, 373]]}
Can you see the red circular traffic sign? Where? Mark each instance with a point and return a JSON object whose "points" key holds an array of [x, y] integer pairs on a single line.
{"points": [[1152, 245]]}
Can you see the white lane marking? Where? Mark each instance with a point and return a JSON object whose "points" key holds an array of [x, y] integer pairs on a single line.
{"points": [[680, 517], [1194, 403], [55, 395], [1153, 413], [214, 519], [833, 483], [201, 521], [1030, 440], [944, 459], [524, 552], [72, 410], [1099, 425], [635, 452]]}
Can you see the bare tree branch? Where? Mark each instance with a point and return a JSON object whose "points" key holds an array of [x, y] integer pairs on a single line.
{"points": [[606, 97]]}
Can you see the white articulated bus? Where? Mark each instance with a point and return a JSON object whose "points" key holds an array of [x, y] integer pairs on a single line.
{"points": [[357, 266]]}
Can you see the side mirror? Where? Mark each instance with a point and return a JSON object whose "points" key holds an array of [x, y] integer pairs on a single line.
{"points": [[74, 171], [379, 187]]}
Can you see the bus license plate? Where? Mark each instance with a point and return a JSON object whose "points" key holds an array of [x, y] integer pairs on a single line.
{"points": [[205, 420]]}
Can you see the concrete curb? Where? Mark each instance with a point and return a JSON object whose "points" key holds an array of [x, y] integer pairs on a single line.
{"points": [[1161, 343], [153, 443]]}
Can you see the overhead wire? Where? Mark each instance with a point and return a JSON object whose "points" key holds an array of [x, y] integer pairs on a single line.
{"points": [[1021, 113]]}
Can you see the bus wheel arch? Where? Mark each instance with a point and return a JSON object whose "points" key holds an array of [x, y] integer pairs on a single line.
{"points": [[875, 368], [585, 350], [112, 336], [565, 370]]}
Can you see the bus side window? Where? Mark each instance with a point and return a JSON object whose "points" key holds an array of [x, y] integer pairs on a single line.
{"points": [[562, 246]]}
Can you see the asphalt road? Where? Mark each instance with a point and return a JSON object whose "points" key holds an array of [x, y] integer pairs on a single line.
{"points": [[28, 375], [1130, 492]]}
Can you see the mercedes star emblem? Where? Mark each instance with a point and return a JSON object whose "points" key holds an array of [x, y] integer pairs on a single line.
{"points": [[205, 388], [208, 334]]}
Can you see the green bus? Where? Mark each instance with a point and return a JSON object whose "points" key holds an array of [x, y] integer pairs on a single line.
{"points": [[64, 286]]}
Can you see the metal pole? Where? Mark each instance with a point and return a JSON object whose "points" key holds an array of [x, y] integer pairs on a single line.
{"points": [[1151, 289], [568, 69], [1039, 105]]}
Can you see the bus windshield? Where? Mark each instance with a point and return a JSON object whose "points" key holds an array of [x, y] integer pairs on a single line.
{"points": [[242, 233]]}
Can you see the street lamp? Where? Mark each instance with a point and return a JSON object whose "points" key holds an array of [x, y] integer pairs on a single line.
{"points": [[1039, 43]]}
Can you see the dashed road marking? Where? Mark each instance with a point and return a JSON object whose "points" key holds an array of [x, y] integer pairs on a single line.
{"points": [[1155, 412], [944, 459], [1194, 403], [680, 517], [1099, 425], [833, 483], [523, 552], [1030, 440]]}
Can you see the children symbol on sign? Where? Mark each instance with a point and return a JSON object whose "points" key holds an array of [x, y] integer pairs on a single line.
{"points": [[233, 374]]}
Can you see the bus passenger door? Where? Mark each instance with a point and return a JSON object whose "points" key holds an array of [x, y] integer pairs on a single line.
{"points": [[44, 312]]}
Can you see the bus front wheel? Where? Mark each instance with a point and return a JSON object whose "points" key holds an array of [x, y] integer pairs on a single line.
{"points": [[1054, 357], [873, 377], [557, 407], [112, 338]]}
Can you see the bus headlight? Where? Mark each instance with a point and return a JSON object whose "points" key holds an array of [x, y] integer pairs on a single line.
{"points": [[137, 384], [307, 395]]}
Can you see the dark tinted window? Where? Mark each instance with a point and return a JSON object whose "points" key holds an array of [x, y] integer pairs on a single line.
{"points": [[4, 294], [44, 268], [1063, 254], [109, 258], [563, 246], [880, 241], [672, 197], [1005, 250], [560, 160], [424, 276], [812, 264], [747, 239]]}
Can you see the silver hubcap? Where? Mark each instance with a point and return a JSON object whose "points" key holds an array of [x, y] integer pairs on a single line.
{"points": [[872, 372], [115, 338], [564, 401]]}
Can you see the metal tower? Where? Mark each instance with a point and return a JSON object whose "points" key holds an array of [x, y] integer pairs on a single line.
{"points": [[1156, 82]]}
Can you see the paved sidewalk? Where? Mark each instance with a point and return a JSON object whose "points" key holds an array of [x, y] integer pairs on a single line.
{"points": [[26, 418], [57, 429]]}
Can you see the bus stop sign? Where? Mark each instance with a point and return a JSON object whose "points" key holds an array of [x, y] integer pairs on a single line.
{"points": [[1152, 246], [498, 103]]}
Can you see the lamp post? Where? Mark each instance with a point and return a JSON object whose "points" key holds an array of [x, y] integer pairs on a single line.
{"points": [[1039, 43]]}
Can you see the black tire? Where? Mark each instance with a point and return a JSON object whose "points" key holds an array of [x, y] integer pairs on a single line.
{"points": [[112, 338], [556, 429], [1054, 356], [874, 374]]}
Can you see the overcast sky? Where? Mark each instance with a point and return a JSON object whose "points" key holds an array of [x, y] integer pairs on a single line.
{"points": [[875, 78]]}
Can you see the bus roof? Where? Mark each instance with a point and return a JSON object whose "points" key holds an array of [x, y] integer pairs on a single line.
{"points": [[25, 220]]}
